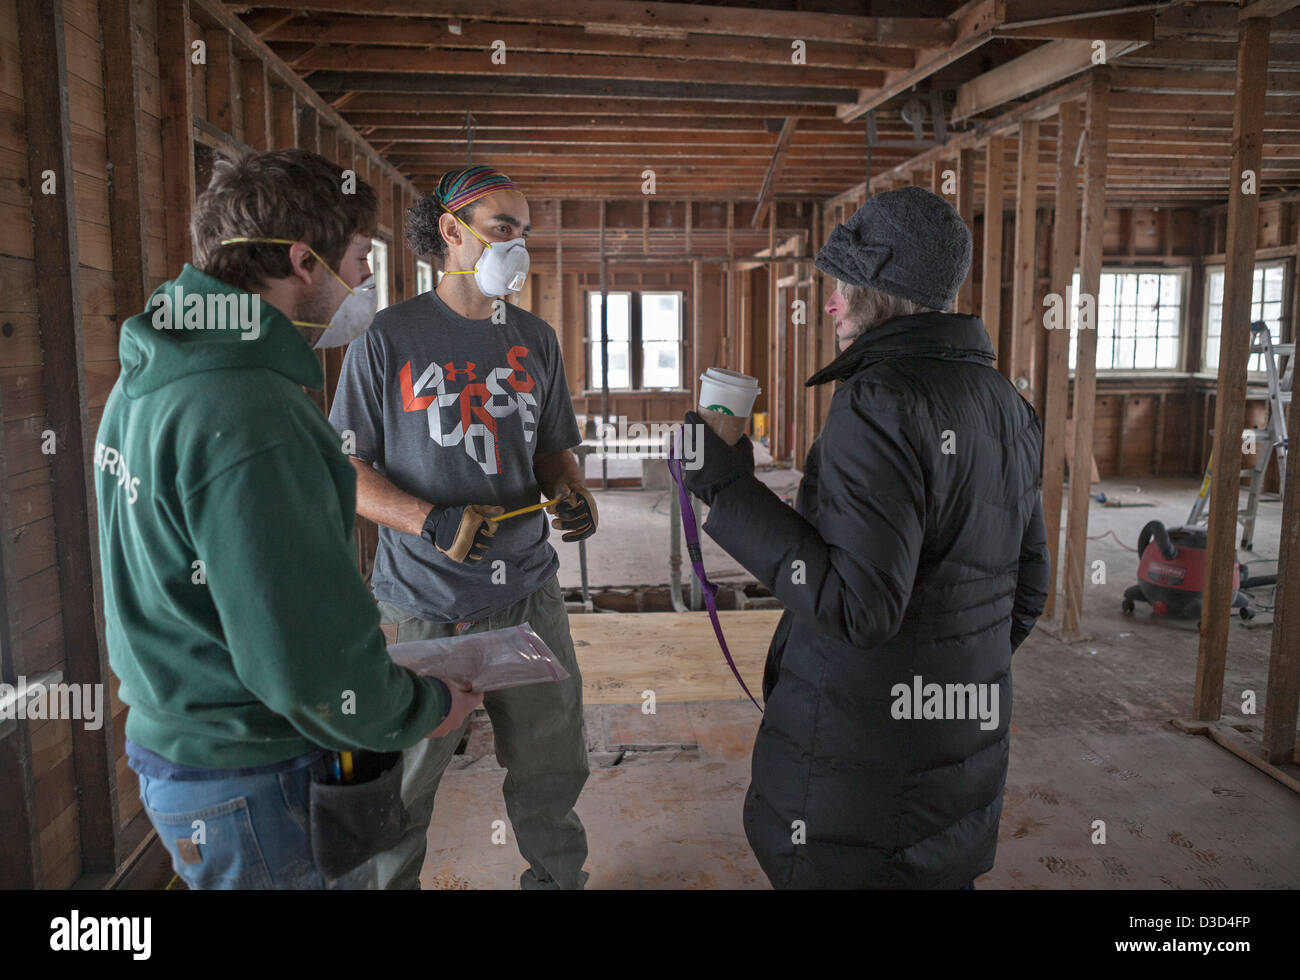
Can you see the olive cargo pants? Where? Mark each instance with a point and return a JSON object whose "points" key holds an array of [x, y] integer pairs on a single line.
{"points": [[540, 739]]}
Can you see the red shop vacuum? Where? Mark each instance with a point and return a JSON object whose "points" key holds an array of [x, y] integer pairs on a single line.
{"points": [[1171, 573]]}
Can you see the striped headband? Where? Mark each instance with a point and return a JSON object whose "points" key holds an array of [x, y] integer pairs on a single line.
{"points": [[461, 187]]}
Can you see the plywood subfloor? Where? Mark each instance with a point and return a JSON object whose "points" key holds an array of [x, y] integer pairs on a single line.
{"points": [[1091, 741], [673, 654]]}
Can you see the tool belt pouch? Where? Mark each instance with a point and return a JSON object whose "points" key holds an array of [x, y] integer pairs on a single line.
{"points": [[352, 822]]}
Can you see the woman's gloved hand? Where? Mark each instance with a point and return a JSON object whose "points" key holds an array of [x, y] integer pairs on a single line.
{"points": [[720, 465], [575, 513], [463, 533]]}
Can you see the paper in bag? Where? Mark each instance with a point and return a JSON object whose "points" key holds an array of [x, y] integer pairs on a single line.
{"points": [[491, 661]]}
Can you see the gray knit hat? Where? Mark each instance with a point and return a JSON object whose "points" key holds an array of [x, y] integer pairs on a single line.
{"points": [[909, 243]]}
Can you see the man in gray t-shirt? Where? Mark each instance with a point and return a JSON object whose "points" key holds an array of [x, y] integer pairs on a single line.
{"points": [[453, 411], [456, 409]]}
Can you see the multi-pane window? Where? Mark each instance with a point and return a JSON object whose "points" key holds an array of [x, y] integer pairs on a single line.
{"points": [[379, 266], [1267, 303], [423, 276], [661, 340], [644, 331], [1138, 318]]}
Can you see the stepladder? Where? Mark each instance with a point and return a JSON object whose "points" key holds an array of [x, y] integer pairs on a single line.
{"points": [[1268, 442]]}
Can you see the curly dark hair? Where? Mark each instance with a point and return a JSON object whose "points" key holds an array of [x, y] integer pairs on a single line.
{"points": [[422, 234]]}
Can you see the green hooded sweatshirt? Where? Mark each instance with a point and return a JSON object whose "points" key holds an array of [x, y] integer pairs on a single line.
{"points": [[236, 620]]}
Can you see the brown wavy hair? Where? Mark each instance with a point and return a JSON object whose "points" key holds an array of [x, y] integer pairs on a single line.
{"points": [[292, 194]]}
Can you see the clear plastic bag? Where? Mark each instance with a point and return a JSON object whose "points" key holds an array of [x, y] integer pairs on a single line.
{"points": [[490, 661]]}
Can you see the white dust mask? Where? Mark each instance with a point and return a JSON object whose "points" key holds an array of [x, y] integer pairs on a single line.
{"points": [[502, 267], [353, 317]]}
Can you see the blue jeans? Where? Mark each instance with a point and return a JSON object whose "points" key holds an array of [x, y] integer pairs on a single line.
{"points": [[240, 832]]}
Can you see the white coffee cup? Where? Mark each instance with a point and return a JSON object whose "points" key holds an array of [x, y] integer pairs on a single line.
{"points": [[728, 392], [726, 399]]}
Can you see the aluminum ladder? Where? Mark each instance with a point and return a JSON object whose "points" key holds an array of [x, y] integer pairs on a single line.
{"points": [[1270, 440]]}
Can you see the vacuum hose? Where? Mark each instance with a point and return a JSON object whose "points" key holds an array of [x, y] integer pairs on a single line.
{"points": [[1156, 530]]}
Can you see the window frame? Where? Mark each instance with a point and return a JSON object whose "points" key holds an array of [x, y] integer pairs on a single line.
{"points": [[379, 248], [1184, 274], [636, 342], [1287, 327]]}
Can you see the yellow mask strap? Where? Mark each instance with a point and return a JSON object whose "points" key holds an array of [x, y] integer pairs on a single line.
{"points": [[291, 241], [486, 243]]}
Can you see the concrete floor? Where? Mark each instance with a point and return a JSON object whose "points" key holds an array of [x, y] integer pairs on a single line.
{"points": [[1092, 741]]}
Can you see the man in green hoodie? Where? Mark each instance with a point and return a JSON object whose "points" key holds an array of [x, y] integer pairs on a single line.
{"points": [[247, 646]]}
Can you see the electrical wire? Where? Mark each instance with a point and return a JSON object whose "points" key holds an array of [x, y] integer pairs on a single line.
{"points": [[1111, 534]]}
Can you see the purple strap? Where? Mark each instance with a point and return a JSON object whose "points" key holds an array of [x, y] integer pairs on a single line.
{"points": [[697, 559]]}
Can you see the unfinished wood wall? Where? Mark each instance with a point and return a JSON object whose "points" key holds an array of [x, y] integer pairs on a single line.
{"points": [[235, 105]]}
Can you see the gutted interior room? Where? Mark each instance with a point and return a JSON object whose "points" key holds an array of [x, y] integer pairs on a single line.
{"points": [[651, 427]]}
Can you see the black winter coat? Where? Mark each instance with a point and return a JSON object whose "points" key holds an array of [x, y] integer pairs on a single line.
{"points": [[916, 550]]}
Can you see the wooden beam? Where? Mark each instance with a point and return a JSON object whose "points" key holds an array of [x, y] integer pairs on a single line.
{"points": [[256, 96], [217, 12], [731, 323], [1041, 107], [397, 251], [440, 61], [117, 25], [1045, 65], [1121, 26], [284, 117], [20, 858], [63, 375], [774, 169], [774, 398], [1267, 8], [1197, 80], [1056, 393], [1085, 370], [1234, 355], [991, 311], [480, 35], [1282, 695], [966, 208], [1024, 284], [973, 25], [655, 19], [697, 302], [309, 131], [524, 85], [221, 79], [175, 89]]}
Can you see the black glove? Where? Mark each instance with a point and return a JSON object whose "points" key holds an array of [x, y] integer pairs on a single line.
{"points": [[720, 465], [461, 533], [575, 513]]}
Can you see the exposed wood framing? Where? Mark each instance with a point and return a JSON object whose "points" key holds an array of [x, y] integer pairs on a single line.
{"points": [[966, 208], [1044, 66], [58, 306], [991, 290], [1234, 355], [1019, 353], [174, 38], [122, 132], [20, 858], [1065, 239], [256, 89], [1085, 371], [774, 169], [973, 26]]}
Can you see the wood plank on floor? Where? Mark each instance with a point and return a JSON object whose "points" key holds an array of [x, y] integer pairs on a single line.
{"points": [[675, 655]]}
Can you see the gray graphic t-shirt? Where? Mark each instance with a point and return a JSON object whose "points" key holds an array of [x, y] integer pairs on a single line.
{"points": [[452, 411]]}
